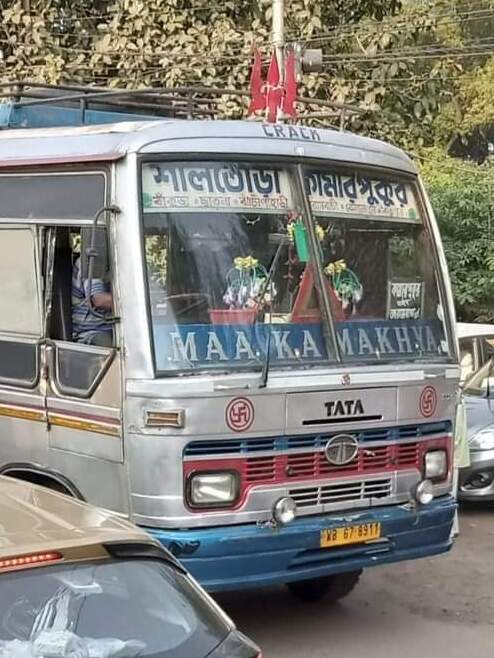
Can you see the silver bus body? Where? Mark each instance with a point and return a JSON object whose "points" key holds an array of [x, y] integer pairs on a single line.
{"points": [[103, 424]]}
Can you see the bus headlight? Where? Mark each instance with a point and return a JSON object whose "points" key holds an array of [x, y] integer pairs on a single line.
{"points": [[436, 465], [285, 510], [219, 489], [424, 492]]}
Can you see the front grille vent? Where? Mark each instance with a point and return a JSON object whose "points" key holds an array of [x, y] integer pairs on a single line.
{"points": [[342, 492], [314, 465]]}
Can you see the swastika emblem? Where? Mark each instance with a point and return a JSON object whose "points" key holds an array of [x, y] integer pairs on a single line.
{"points": [[346, 380], [428, 402], [239, 414]]}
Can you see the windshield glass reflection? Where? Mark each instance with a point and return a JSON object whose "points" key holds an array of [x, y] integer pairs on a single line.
{"points": [[117, 609], [232, 274]]}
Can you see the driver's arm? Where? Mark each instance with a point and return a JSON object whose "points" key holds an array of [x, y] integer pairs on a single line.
{"points": [[103, 301], [100, 297]]}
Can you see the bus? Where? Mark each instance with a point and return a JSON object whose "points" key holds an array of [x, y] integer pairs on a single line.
{"points": [[238, 334]]}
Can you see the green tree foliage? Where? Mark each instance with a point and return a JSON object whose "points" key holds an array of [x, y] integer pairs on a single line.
{"points": [[466, 122], [462, 197], [371, 50], [133, 42], [408, 63]]}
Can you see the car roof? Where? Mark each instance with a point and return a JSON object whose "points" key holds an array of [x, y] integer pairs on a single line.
{"points": [[471, 329], [34, 519]]}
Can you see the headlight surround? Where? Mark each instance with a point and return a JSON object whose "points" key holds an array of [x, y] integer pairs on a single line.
{"points": [[213, 489], [436, 465], [483, 440]]}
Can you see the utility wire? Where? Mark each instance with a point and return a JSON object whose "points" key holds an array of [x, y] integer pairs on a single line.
{"points": [[453, 17], [361, 32], [472, 48], [384, 59], [422, 48], [232, 52], [109, 16], [423, 52], [409, 23]]}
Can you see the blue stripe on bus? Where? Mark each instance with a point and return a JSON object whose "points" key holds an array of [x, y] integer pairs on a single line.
{"points": [[282, 443]]}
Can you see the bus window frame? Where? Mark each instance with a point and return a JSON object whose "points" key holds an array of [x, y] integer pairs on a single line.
{"points": [[53, 361], [50, 171], [38, 276], [54, 346], [23, 383], [45, 227], [288, 163], [305, 162], [19, 337]]}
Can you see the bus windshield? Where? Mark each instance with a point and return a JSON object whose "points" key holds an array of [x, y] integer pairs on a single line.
{"points": [[232, 271], [378, 257]]}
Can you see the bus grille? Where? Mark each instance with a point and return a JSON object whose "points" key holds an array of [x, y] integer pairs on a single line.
{"points": [[342, 492], [314, 465]]}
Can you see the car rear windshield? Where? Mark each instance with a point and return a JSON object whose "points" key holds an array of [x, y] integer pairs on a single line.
{"points": [[116, 609]]}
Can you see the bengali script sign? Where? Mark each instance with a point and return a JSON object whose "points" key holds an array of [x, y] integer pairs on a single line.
{"points": [[193, 346], [405, 300], [334, 193], [224, 187]]}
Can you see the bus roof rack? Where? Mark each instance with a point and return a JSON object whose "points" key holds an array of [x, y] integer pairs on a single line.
{"points": [[25, 104]]}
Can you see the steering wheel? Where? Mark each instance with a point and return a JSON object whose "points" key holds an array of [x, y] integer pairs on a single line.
{"points": [[196, 300]]}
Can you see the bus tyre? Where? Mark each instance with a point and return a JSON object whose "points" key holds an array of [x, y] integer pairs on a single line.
{"points": [[328, 588]]}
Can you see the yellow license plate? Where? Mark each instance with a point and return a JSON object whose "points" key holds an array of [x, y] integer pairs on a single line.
{"points": [[351, 534]]}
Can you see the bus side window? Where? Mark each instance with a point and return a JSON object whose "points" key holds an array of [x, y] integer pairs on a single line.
{"points": [[82, 338], [71, 319], [20, 306]]}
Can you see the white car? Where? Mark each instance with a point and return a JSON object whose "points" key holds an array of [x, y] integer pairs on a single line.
{"points": [[477, 363], [476, 346]]}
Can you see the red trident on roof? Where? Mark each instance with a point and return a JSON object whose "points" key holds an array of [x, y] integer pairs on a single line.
{"points": [[290, 95], [274, 97], [257, 97]]}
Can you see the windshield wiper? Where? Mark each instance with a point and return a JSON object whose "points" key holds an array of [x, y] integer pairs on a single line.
{"points": [[263, 380]]}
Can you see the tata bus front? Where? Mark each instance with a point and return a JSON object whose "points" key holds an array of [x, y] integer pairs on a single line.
{"points": [[299, 319]]}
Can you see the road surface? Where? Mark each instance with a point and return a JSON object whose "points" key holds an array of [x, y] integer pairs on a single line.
{"points": [[442, 606]]}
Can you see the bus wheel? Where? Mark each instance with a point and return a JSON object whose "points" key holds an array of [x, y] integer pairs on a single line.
{"points": [[328, 588]]}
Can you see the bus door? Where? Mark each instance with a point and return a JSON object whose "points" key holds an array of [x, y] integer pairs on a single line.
{"points": [[84, 374], [23, 435]]}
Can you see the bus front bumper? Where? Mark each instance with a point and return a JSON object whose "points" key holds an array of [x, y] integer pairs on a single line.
{"points": [[234, 557]]}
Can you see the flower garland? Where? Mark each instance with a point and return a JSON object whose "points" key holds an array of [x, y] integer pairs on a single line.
{"points": [[345, 283], [290, 229], [320, 232], [245, 283]]}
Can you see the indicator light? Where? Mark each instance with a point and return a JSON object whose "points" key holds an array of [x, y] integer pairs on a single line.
{"points": [[29, 560]]}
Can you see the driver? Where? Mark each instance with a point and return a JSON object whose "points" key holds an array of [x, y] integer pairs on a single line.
{"points": [[88, 327]]}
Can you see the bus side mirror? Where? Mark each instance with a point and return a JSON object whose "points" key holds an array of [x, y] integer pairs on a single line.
{"points": [[94, 246]]}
